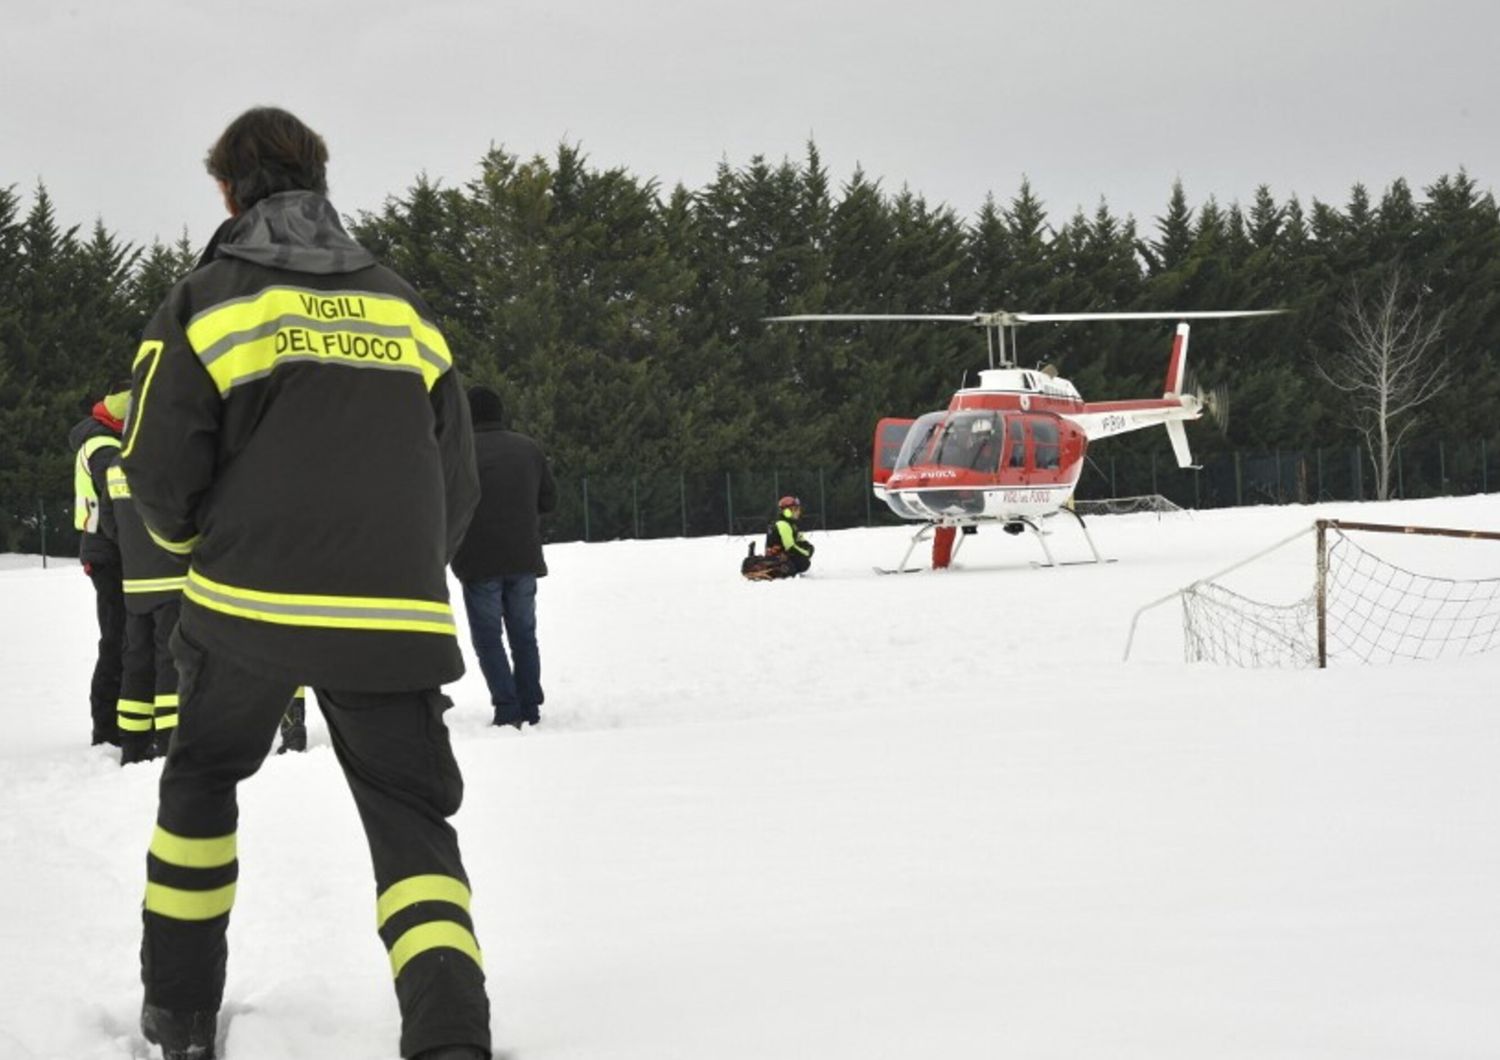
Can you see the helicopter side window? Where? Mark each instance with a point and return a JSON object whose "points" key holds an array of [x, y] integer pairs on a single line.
{"points": [[1016, 439], [1044, 436]]}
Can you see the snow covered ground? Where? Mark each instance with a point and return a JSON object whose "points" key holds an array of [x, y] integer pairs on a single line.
{"points": [[849, 816]]}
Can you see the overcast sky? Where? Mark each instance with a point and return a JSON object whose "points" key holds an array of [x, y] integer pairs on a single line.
{"points": [[113, 104]]}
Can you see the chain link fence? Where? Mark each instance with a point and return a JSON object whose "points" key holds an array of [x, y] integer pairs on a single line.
{"points": [[613, 506]]}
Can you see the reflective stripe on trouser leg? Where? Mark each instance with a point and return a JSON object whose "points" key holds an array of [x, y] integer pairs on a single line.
{"points": [[395, 752], [166, 710], [223, 734], [135, 708]]}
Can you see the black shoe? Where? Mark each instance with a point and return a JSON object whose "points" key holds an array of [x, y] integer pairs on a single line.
{"points": [[136, 748], [161, 739], [101, 736], [181, 1035], [454, 1052], [292, 740]]}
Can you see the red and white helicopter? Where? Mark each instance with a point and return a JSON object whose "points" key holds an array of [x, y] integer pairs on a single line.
{"points": [[1010, 450]]}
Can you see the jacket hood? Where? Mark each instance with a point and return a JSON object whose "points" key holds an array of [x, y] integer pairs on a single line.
{"points": [[298, 231], [85, 429]]}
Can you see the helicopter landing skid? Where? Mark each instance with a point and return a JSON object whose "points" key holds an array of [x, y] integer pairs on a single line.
{"points": [[1028, 522], [1041, 537], [917, 538]]}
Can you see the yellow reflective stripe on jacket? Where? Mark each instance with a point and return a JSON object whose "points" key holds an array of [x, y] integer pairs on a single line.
{"points": [[331, 612], [414, 889], [179, 904], [151, 348], [193, 853], [85, 497], [155, 585], [245, 339], [437, 934], [114, 481], [788, 534], [177, 548]]}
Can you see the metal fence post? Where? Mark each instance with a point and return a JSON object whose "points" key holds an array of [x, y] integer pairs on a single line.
{"points": [[1320, 476], [1239, 486], [729, 501], [585, 507], [1153, 472], [682, 491], [1400, 479], [1322, 593], [1442, 469], [1484, 467], [635, 503], [823, 498], [41, 518]]}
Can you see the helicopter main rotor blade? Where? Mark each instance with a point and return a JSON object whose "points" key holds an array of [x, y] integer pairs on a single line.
{"points": [[1194, 314], [809, 318]]}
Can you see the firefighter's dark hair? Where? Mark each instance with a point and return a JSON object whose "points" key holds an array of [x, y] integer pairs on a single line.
{"points": [[266, 150]]}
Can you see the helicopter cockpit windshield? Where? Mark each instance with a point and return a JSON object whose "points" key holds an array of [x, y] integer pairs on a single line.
{"points": [[968, 440]]}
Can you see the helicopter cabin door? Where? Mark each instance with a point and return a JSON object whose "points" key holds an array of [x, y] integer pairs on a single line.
{"points": [[1040, 449], [889, 435]]}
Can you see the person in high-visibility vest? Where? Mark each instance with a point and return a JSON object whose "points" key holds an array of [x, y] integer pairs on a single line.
{"points": [[784, 537], [96, 442]]}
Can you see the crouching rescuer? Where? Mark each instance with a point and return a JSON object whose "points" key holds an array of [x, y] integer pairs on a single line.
{"points": [[788, 553], [301, 435]]}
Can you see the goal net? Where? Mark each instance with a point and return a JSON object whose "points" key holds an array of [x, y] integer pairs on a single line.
{"points": [[1362, 606], [1153, 502]]}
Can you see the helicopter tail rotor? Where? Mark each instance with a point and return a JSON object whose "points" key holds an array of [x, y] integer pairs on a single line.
{"points": [[1216, 403]]}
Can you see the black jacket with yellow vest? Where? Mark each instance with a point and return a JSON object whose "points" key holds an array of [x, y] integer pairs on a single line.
{"points": [[299, 430], [152, 575]]}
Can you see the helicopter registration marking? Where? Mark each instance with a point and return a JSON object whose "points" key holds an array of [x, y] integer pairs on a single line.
{"points": [[1112, 423], [1036, 496]]}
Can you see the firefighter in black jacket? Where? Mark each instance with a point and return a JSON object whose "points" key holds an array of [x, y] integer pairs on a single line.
{"points": [[153, 583], [96, 444], [300, 432]]}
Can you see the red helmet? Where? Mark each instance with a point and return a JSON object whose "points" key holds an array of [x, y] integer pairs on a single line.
{"points": [[789, 501]]}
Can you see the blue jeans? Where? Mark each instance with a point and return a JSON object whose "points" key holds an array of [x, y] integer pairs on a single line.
{"points": [[507, 605]]}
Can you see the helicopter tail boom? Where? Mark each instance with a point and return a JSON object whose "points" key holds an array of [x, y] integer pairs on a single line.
{"points": [[1177, 364]]}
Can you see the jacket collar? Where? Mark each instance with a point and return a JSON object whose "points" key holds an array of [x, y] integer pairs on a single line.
{"points": [[299, 231]]}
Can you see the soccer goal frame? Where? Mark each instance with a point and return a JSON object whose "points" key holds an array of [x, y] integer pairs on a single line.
{"points": [[1456, 595]]}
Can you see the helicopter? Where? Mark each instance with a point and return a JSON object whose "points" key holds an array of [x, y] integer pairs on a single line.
{"points": [[1010, 450]]}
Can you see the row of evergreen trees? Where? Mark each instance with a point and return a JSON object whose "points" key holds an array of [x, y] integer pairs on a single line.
{"points": [[623, 323]]}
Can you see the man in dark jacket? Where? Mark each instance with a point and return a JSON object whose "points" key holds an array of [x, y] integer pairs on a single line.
{"points": [[501, 559], [96, 444], [153, 583], [300, 432]]}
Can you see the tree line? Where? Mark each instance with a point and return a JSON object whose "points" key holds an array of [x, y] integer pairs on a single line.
{"points": [[623, 323]]}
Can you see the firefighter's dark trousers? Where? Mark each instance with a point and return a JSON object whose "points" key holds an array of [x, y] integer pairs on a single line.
{"points": [[104, 689], [395, 753], [148, 688]]}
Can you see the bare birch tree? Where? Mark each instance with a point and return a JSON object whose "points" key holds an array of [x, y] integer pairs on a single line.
{"points": [[1386, 367]]}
